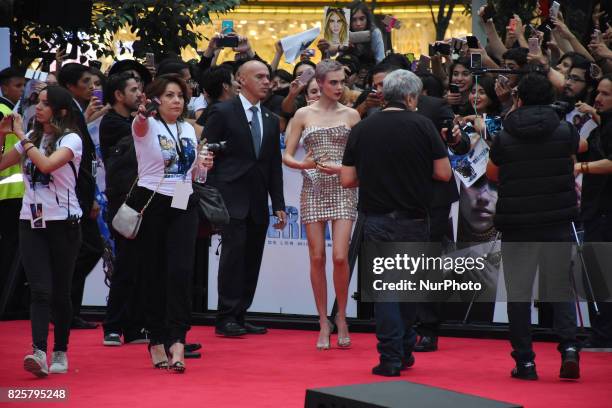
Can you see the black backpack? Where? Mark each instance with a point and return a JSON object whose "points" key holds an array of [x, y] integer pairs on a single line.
{"points": [[85, 181]]}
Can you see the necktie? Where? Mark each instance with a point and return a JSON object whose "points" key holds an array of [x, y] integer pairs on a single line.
{"points": [[255, 130]]}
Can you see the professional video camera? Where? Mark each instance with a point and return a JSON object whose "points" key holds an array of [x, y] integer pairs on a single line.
{"points": [[562, 108]]}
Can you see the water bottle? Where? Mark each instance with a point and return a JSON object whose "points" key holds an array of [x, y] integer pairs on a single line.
{"points": [[201, 171]]}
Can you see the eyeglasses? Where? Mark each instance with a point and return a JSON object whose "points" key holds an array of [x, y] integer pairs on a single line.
{"points": [[574, 78]]}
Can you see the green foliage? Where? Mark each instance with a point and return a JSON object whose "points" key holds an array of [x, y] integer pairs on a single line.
{"points": [[163, 26]]}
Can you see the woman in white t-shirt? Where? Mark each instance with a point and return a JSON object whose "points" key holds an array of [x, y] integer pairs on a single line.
{"points": [[49, 230], [166, 150]]}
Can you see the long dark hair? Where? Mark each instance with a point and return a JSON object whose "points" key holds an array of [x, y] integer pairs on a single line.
{"points": [[59, 99], [363, 51], [360, 6], [488, 85]]}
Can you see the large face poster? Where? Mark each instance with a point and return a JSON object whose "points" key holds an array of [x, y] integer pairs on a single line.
{"points": [[336, 26], [476, 211]]}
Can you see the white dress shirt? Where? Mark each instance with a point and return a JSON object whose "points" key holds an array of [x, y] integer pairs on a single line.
{"points": [[246, 105]]}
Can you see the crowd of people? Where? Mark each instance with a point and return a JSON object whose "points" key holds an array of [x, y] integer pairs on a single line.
{"points": [[132, 140]]}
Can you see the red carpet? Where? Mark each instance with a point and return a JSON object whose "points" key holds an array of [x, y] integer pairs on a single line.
{"points": [[274, 370]]}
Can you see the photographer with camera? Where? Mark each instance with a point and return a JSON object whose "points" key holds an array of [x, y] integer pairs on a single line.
{"points": [[532, 159], [596, 205]]}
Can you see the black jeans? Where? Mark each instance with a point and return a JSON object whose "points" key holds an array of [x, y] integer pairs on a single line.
{"points": [[521, 263], [429, 313], [599, 230], [90, 253], [49, 255], [165, 249], [394, 320], [126, 296]]}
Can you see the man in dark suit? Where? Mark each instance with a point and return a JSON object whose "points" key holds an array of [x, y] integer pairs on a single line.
{"points": [[444, 194], [245, 174]]}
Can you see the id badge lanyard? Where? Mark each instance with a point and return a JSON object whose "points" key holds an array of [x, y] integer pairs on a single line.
{"points": [[177, 140]]}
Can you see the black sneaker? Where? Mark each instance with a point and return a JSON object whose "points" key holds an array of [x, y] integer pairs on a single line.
{"points": [[386, 370], [570, 364], [426, 343], [112, 339], [407, 362], [525, 371]]}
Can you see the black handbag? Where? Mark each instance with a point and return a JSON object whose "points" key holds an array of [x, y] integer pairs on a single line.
{"points": [[211, 208]]}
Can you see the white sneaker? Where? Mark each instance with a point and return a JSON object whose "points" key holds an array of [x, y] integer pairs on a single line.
{"points": [[36, 363], [59, 363]]}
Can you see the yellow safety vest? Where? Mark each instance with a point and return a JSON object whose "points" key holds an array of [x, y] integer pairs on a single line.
{"points": [[11, 178]]}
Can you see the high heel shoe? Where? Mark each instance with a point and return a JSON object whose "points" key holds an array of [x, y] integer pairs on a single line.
{"points": [[177, 366], [324, 343], [344, 340], [159, 363]]}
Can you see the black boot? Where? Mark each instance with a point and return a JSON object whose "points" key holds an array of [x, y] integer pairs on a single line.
{"points": [[570, 363], [426, 343], [525, 366]]}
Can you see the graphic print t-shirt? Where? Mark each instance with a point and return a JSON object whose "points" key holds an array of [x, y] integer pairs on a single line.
{"points": [[55, 191], [159, 157]]}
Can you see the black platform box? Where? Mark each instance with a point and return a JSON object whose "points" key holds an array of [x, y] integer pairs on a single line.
{"points": [[396, 394]]}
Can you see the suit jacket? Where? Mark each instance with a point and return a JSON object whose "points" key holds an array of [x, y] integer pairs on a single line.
{"points": [[436, 109], [245, 181]]}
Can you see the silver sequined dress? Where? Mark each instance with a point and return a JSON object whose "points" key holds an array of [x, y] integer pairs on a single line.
{"points": [[322, 197]]}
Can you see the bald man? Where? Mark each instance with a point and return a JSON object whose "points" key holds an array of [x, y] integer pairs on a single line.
{"points": [[246, 174]]}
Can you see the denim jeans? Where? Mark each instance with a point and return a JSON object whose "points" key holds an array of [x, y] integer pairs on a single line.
{"points": [[394, 320]]}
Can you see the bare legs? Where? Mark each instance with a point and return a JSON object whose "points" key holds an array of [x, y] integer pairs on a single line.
{"points": [[341, 233]]}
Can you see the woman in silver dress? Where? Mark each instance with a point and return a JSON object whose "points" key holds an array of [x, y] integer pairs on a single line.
{"points": [[324, 126]]}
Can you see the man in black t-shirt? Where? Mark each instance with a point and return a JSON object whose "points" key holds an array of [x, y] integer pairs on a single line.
{"points": [[596, 213], [394, 156]]}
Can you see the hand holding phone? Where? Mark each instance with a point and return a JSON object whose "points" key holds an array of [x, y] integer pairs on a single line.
{"points": [[454, 89], [227, 27], [534, 45], [488, 13], [472, 42], [554, 9], [99, 95], [228, 41], [306, 76]]}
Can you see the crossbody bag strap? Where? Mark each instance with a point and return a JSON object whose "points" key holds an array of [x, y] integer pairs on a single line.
{"points": [[152, 195]]}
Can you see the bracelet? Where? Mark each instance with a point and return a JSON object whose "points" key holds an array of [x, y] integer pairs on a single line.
{"points": [[25, 141], [28, 149], [584, 167]]}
